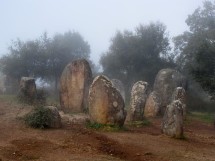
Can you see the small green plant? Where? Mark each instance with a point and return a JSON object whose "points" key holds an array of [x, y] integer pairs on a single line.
{"points": [[40, 117]]}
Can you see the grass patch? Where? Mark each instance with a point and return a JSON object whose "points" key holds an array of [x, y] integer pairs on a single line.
{"points": [[139, 123], [105, 127], [204, 117], [9, 98]]}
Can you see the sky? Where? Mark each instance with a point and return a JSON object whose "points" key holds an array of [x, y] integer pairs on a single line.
{"points": [[96, 20]]}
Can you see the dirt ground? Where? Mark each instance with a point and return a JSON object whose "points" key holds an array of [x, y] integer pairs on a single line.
{"points": [[75, 142]]}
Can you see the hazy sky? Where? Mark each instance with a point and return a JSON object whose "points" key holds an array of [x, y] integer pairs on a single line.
{"points": [[96, 20]]}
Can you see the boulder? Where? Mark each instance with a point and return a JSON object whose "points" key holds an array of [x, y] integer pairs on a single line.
{"points": [[55, 118], [180, 94], [106, 105], [139, 94], [119, 86], [165, 83], [74, 86], [152, 107], [27, 92], [172, 124]]}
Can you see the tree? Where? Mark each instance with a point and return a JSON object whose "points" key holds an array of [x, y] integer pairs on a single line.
{"points": [[45, 57], [61, 50], [196, 47], [138, 55]]}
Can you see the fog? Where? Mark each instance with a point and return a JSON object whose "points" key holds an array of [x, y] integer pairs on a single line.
{"points": [[97, 21]]}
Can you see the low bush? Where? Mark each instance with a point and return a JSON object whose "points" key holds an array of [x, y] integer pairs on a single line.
{"points": [[40, 117]]}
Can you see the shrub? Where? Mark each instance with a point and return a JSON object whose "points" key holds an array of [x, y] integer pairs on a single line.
{"points": [[40, 117]]}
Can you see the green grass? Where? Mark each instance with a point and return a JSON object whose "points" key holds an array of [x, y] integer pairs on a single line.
{"points": [[105, 127], [9, 98], [145, 122], [202, 116]]}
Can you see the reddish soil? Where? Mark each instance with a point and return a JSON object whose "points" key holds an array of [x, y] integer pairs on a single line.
{"points": [[74, 142]]}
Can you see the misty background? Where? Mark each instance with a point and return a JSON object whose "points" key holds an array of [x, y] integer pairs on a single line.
{"points": [[97, 21], [122, 39]]}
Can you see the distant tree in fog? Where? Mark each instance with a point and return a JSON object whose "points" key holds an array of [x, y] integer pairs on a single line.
{"points": [[62, 49], [196, 47], [137, 55], [45, 57]]}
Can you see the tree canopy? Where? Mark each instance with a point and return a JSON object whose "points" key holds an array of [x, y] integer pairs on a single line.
{"points": [[45, 57], [138, 55], [196, 47]]}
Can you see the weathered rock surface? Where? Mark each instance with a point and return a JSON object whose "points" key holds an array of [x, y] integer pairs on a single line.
{"points": [[79, 118], [74, 86], [139, 94], [180, 94], [2, 83], [28, 90], [165, 83], [172, 124], [55, 119], [106, 105], [152, 107], [119, 86]]}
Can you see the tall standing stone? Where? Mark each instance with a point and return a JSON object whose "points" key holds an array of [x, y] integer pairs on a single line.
{"points": [[74, 86], [165, 83], [172, 124], [106, 105], [119, 86], [152, 107], [180, 94], [139, 94], [28, 90]]}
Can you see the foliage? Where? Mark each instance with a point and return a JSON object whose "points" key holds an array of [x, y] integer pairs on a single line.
{"points": [[196, 47], [45, 57], [39, 118], [138, 55], [197, 100]]}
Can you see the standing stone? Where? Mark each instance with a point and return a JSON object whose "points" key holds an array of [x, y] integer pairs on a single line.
{"points": [[172, 124], [74, 86], [28, 90], [152, 107], [119, 86], [180, 94], [165, 83], [106, 105], [2, 83], [139, 94]]}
